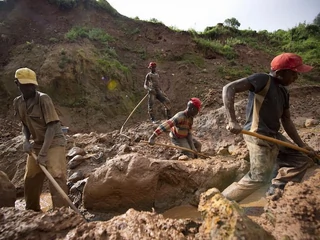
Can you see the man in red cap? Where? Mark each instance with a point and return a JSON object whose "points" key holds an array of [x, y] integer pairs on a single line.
{"points": [[268, 105], [152, 84], [180, 126]]}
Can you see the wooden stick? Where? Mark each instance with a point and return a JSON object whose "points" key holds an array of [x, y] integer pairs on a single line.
{"points": [[133, 112], [178, 147], [57, 186], [273, 140]]}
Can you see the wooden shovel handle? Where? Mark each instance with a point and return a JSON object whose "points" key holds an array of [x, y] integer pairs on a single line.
{"points": [[178, 147], [57, 186], [121, 129], [273, 140]]}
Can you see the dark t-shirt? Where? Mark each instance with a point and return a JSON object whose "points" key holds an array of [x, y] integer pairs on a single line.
{"points": [[266, 102]]}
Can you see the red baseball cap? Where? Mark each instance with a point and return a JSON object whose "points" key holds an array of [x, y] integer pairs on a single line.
{"points": [[152, 64], [196, 102], [289, 61]]}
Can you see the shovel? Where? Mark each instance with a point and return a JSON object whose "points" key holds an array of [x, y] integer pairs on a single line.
{"points": [[178, 147], [273, 140], [58, 188]]}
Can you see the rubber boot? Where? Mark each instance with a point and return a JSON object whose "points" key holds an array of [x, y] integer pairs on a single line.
{"points": [[238, 192]]}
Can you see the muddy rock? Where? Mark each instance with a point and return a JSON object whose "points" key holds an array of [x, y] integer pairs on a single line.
{"points": [[76, 176], [13, 162], [137, 225], [296, 215], [7, 191], [311, 122], [124, 149], [134, 181], [76, 151], [75, 161], [22, 224], [224, 219], [76, 192]]}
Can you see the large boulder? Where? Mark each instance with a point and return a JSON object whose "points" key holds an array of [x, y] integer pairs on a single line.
{"points": [[134, 181], [13, 161], [224, 219], [7, 191]]}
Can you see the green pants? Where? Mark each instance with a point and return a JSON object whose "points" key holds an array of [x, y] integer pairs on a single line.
{"points": [[34, 177], [265, 157]]}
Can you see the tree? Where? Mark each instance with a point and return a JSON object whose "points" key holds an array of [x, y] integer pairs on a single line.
{"points": [[316, 21], [232, 22]]}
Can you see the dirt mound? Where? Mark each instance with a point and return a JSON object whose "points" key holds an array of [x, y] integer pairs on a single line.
{"points": [[296, 215]]}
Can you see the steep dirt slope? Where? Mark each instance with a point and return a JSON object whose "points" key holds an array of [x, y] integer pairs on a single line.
{"points": [[33, 35]]}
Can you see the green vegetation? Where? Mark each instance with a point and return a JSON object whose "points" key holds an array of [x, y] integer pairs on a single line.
{"points": [[95, 34], [235, 71], [232, 22], [154, 20], [303, 39], [64, 4], [104, 5], [193, 59], [64, 59], [53, 40], [224, 49], [107, 56], [99, 4]]}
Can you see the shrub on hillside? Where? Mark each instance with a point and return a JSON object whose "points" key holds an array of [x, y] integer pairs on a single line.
{"points": [[65, 4]]}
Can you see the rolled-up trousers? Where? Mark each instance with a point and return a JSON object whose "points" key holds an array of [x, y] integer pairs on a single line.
{"points": [[34, 177]]}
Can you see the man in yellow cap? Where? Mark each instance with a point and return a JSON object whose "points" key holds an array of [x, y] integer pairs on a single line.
{"points": [[40, 123], [268, 106]]}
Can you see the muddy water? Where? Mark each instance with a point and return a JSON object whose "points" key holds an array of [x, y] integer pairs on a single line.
{"points": [[254, 204], [183, 211], [45, 202]]}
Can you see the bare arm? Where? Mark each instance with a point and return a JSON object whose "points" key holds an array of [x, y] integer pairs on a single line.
{"points": [[27, 147], [146, 83], [48, 137], [26, 132], [228, 94], [290, 128]]}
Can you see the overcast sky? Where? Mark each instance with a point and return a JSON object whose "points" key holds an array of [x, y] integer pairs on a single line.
{"points": [[198, 14]]}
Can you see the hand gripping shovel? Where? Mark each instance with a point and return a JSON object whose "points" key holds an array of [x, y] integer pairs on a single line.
{"points": [[59, 189]]}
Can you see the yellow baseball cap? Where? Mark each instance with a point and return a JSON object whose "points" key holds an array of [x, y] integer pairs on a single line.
{"points": [[26, 76]]}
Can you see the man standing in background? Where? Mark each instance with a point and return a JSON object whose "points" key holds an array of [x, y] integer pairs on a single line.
{"points": [[152, 84]]}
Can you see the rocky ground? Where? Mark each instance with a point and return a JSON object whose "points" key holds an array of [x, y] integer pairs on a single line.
{"points": [[295, 215], [95, 115]]}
